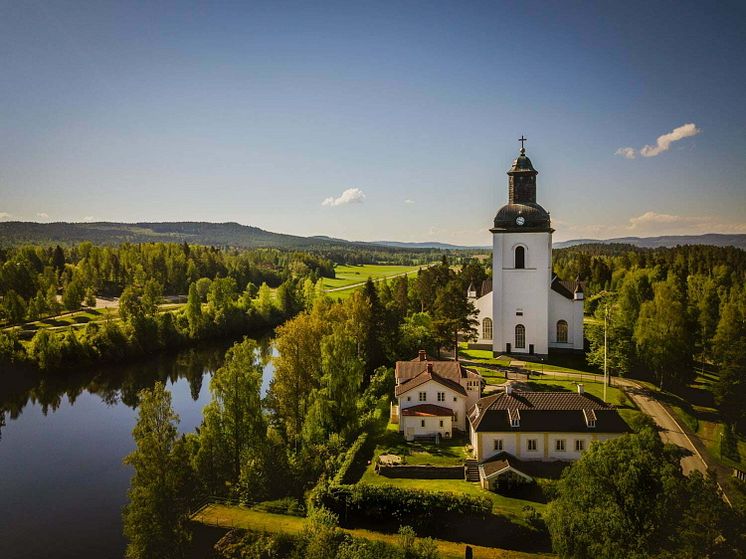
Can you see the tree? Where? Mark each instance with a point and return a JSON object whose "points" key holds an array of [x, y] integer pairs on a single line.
{"points": [[334, 403], [155, 519], [234, 428], [454, 315], [194, 312], [265, 305], [14, 306], [72, 296], [298, 368], [664, 337], [619, 500]]}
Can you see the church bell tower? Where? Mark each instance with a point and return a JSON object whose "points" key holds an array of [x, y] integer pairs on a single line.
{"points": [[521, 265]]}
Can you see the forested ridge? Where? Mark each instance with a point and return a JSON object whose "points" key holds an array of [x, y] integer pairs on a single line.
{"points": [[222, 235]]}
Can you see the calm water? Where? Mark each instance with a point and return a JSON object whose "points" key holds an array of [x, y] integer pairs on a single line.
{"points": [[62, 481]]}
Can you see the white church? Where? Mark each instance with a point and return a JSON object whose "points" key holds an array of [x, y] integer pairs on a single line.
{"points": [[525, 308]]}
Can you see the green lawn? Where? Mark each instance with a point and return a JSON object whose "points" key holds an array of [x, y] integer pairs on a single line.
{"points": [[449, 453], [240, 517]]}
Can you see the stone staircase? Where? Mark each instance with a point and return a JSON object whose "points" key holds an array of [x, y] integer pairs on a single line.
{"points": [[471, 470]]}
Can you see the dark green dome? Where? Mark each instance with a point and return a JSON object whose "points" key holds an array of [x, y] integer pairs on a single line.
{"points": [[534, 217]]}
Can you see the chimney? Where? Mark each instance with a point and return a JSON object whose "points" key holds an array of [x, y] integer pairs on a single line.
{"points": [[581, 389], [509, 388], [423, 355], [429, 367]]}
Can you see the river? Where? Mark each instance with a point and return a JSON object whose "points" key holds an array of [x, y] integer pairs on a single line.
{"points": [[62, 441]]}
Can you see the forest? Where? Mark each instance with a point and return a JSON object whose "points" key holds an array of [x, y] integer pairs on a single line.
{"points": [[292, 452]]}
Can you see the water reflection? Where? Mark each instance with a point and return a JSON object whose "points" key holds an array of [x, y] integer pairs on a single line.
{"points": [[62, 481]]}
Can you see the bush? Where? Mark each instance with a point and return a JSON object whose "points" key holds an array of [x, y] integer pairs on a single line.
{"points": [[406, 506], [350, 456], [287, 505]]}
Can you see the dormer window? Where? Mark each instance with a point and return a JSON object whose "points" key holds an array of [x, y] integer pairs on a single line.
{"points": [[515, 417], [590, 418]]}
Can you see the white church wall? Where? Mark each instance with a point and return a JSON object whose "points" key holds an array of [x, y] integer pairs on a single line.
{"points": [[571, 311], [523, 291]]}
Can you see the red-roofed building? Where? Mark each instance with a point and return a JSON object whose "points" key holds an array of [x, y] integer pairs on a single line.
{"points": [[434, 396]]}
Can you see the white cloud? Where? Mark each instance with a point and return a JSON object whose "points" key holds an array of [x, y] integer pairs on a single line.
{"points": [[5, 216], [42, 215], [654, 219], [408, 201], [628, 153], [663, 143], [349, 196]]}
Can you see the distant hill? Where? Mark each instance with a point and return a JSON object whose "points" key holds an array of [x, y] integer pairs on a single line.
{"points": [[440, 246], [196, 232], [714, 239], [193, 232], [244, 236]]}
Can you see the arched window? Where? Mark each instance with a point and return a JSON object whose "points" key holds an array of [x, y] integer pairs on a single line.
{"points": [[562, 332], [487, 329], [520, 257], [520, 336]]}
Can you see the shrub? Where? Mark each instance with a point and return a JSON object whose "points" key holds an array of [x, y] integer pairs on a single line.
{"points": [[406, 506], [287, 505], [350, 456]]}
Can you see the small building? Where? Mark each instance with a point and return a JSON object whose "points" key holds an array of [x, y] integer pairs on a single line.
{"points": [[511, 427], [433, 396]]}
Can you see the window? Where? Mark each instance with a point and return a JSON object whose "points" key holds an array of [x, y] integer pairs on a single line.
{"points": [[559, 445], [441, 396], [455, 416], [422, 423], [498, 444], [423, 396], [520, 336], [561, 332], [532, 445], [409, 398], [487, 329], [520, 258], [455, 399], [441, 423], [579, 445]]}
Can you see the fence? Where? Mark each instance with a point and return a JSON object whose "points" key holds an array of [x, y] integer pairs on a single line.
{"points": [[739, 474]]}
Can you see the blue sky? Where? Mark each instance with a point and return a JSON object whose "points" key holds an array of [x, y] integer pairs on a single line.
{"points": [[266, 113]]}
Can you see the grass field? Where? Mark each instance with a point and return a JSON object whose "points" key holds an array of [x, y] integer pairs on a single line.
{"points": [[349, 277], [240, 517]]}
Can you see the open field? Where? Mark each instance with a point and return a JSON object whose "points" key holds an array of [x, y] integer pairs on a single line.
{"points": [[240, 517], [350, 277]]}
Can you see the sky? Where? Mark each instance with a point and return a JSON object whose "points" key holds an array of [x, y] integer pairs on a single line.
{"points": [[375, 120]]}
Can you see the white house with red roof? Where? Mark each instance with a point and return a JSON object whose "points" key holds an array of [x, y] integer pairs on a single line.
{"points": [[433, 397]]}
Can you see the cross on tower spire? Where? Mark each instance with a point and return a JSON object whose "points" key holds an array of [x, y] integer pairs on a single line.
{"points": [[522, 139]]}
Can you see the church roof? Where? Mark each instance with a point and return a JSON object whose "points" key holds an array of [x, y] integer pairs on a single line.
{"points": [[535, 218], [566, 288], [522, 164], [545, 412], [486, 287]]}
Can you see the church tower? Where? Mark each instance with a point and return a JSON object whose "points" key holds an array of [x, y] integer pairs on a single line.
{"points": [[521, 266]]}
